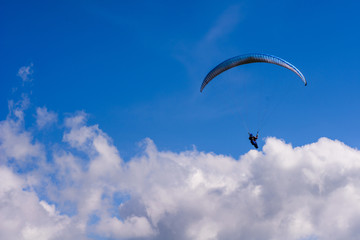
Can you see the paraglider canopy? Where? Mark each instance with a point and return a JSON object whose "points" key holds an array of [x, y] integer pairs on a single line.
{"points": [[263, 112], [249, 58]]}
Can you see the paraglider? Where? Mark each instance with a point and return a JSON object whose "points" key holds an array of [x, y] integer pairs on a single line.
{"points": [[246, 59], [253, 139]]}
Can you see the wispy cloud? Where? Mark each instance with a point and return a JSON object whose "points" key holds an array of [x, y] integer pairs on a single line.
{"points": [[25, 73], [225, 24], [200, 55], [17, 109]]}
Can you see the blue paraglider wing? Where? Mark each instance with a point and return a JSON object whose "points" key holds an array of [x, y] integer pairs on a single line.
{"points": [[249, 58]]}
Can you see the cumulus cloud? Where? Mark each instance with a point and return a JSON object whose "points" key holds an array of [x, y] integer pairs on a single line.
{"points": [[44, 117], [24, 216], [132, 227], [17, 145], [85, 190]]}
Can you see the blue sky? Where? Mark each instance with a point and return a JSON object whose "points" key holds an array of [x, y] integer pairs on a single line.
{"points": [[130, 72], [136, 67]]}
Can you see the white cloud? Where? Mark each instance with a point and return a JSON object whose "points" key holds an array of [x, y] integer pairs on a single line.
{"points": [[15, 143], [17, 109], [283, 193], [25, 73], [85, 188], [44, 117], [132, 227], [23, 216]]}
